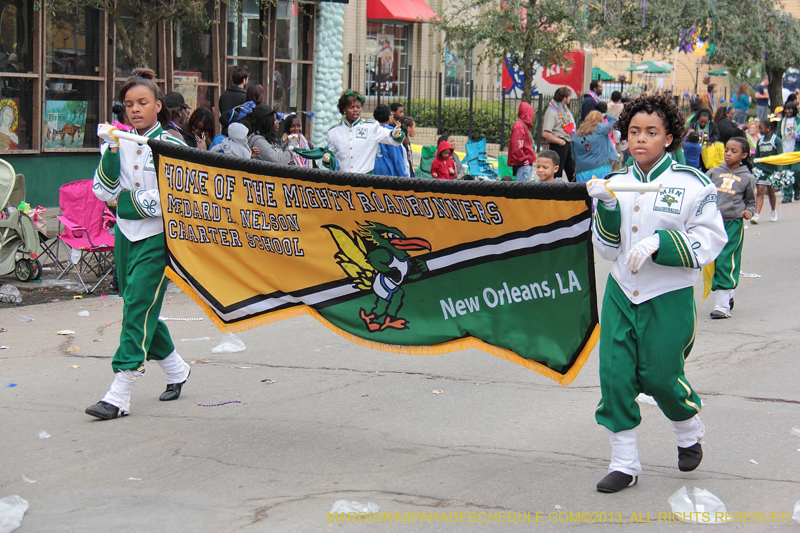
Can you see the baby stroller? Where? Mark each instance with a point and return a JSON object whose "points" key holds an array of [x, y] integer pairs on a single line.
{"points": [[19, 240]]}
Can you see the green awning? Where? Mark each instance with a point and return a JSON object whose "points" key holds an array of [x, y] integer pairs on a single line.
{"points": [[719, 72], [600, 74], [651, 67]]}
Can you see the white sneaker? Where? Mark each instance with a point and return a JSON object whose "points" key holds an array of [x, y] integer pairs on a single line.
{"points": [[773, 216], [755, 218]]}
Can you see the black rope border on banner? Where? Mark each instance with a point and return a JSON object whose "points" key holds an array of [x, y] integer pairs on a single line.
{"points": [[557, 190]]}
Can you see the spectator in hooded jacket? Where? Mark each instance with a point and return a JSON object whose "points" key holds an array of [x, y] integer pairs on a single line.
{"points": [[521, 153], [443, 167], [453, 156]]}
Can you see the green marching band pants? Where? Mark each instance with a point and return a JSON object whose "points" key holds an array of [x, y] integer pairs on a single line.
{"points": [[142, 283], [642, 349], [729, 261]]}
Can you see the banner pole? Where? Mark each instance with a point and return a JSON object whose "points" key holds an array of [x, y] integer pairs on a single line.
{"points": [[130, 137], [634, 187]]}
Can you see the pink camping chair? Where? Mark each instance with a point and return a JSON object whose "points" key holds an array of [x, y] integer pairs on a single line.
{"points": [[86, 221]]}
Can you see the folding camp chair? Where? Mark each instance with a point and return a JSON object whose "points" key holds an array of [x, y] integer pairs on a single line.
{"points": [[503, 169], [424, 170], [476, 162], [88, 242]]}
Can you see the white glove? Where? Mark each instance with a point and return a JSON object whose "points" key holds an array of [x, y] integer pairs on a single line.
{"points": [[106, 132], [326, 158], [397, 132], [597, 189], [643, 249]]}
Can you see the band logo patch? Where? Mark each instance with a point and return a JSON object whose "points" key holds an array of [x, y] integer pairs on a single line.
{"points": [[669, 200]]}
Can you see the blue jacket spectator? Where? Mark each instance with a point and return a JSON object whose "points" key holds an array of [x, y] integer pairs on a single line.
{"points": [[390, 160], [692, 150]]}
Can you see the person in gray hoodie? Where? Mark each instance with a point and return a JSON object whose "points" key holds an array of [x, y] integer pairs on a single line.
{"points": [[736, 199], [235, 143]]}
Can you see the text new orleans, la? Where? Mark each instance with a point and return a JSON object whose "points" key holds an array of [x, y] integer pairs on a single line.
{"points": [[505, 295]]}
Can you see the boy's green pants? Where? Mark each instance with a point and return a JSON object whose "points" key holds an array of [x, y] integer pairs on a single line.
{"points": [[142, 283], [729, 261], [642, 349]]}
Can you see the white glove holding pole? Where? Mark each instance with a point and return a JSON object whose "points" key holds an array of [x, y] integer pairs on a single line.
{"points": [[599, 189], [641, 251], [107, 133], [397, 132]]}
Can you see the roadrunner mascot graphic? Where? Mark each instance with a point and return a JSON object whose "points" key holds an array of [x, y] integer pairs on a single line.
{"points": [[376, 257]]}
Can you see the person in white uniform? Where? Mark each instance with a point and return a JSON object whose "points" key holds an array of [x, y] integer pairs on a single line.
{"points": [[127, 176], [658, 241], [354, 141]]}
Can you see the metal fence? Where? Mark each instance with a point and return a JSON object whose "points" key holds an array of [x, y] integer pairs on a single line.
{"points": [[458, 106], [454, 106]]}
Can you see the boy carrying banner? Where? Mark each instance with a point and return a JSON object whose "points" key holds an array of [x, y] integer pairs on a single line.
{"points": [[657, 241]]}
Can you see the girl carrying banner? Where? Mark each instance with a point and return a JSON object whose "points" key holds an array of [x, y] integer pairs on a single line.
{"points": [[657, 241], [126, 175]]}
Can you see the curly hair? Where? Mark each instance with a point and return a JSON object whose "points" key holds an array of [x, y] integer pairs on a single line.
{"points": [[346, 100], [664, 106]]}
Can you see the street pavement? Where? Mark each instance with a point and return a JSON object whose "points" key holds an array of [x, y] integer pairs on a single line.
{"points": [[342, 422]]}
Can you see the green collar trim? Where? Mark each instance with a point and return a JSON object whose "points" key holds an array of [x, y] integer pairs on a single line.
{"points": [[153, 132], [658, 169], [346, 123]]}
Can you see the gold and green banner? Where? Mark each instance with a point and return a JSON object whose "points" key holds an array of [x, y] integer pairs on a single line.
{"points": [[403, 265]]}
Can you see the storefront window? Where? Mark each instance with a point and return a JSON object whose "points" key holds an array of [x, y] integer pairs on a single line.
{"points": [[16, 37], [16, 91], [72, 102], [123, 70], [192, 60], [291, 84], [69, 48], [246, 34], [292, 56], [291, 31], [71, 114], [244, 28], [388, 44], [16, 113], [191, 41]]}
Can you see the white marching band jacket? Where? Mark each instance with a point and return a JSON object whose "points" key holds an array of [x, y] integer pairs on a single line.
{"points": [[685, 216], [356, 145], [129, 178]]}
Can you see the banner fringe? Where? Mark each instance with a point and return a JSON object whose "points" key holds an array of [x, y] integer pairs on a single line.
{"points": [[435, 349]]}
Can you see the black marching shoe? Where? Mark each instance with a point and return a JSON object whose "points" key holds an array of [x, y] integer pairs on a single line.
{"points": [[104, 411], [786, 200], [797, 197], [615, 482], [730, 304], [173, 391], [689, 458], [716, 314]]}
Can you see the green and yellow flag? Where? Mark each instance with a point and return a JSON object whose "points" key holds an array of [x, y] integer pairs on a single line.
{"points": [[402, 265]]}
